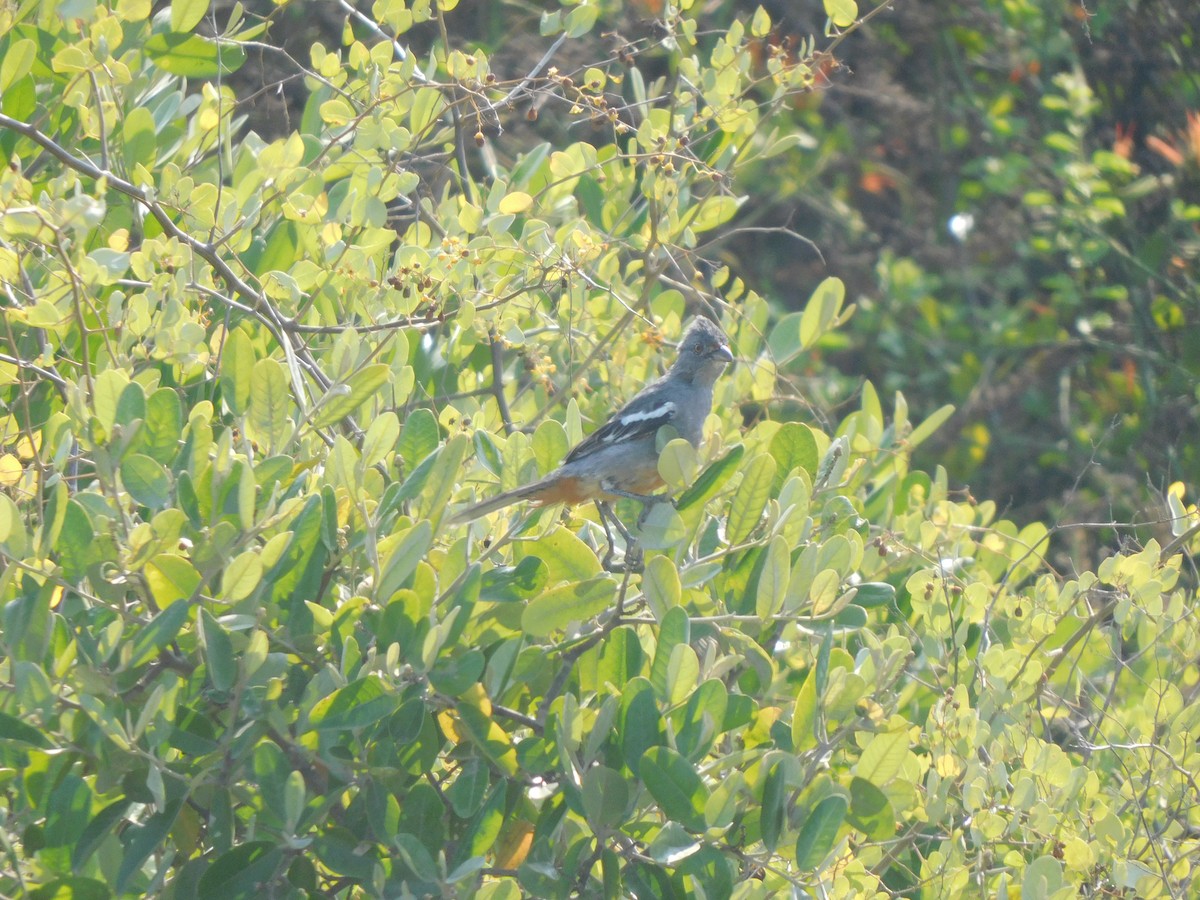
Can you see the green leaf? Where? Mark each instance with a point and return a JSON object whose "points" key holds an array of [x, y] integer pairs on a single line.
{"points": [[270, 403], [605, 798], [457, 673], [426, 107], [672, 845], [675, 785], [712, 479], [278, 252], [571, 602], [823, 308], [711, 870], [509, 584], [356, 705], [68, 809], [140, 140], [343, 399], [162, 428], [792, 447], [218, 651], [142, 840], [771, 809], [241, 576], [74, 542], [442, 479], [760, 24], [820, 673], [677, 464], [193, 56], [932, 423], [419, 437], [237, 369], [773, 578], [661, 528], [675, 630], [580, 20], [487, 452], [698, 725], [131, 405], [1042, 879], [153, 638], [186, 14], [171, 578], [683, 671], [402, 555], [715, 210], [13, 729], [850, 618], [71, 889], [483, 831], [549, 445], [146, 480], [870, 594], [618, 659], [240, 872], [566, 556], [660, 584], [843, 13], [16, 62], [870, 810], [784, 342], [97, 831], [638, 722], [492, 740], [416, 856], [12, 527], [380, 439], [467, 793], [883, 757], [819, 832], [751, 496]]}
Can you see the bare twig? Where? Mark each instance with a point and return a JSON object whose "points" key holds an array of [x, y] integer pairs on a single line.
{"points": [[498, 382]]}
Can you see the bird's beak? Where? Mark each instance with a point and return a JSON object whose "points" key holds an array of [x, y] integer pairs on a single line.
{"points": [[723, 353]]}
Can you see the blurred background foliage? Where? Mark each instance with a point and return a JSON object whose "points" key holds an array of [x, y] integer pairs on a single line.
{"points": [[1010, 190]]}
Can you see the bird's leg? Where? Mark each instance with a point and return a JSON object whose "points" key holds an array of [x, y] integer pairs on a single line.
{"points": [[633, 554], [606, 563], [647, 500]]}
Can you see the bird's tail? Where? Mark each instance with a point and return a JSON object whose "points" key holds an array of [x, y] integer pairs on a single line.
{"points": [[500, 501]]}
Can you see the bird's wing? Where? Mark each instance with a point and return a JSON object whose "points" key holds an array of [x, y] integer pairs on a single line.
{"points": [[640, 417]]}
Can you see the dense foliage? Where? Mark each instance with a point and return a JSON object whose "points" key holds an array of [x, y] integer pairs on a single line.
{"points": [[243, 377]]}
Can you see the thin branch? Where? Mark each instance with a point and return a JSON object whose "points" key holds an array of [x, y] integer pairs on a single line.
{"points": [[460, 144], [399, 49], [523, 86], [200, 248], [498, 382]]}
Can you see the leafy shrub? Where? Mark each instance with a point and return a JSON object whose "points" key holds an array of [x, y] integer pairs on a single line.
{"points": [[244, 379]]}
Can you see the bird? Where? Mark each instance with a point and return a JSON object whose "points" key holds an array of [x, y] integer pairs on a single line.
{"points": [[620, 458]]}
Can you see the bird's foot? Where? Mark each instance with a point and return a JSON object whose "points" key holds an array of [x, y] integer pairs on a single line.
{"points": [[632, 562]]}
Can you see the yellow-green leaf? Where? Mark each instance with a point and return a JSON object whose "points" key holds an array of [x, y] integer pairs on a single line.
{"points": [[773, 579], [882, 758], [18, 60], [241, 576], [186, 14], [750, 498], [270, 403], [515, 203], [572, 602], [842, 13]]}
